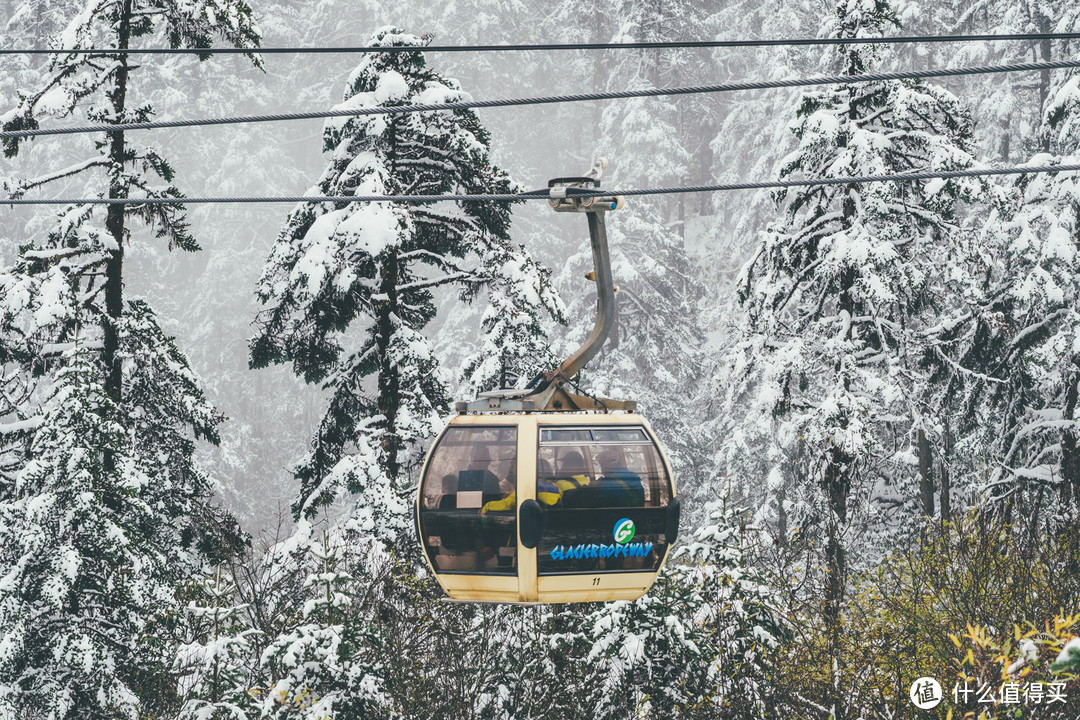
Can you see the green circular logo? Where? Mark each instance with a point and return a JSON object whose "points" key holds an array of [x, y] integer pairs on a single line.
{"points": [[624, 531]]}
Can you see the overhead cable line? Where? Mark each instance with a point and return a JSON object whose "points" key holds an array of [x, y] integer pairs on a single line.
{"points": [[528, 47], [582, 97], [571, 192]]}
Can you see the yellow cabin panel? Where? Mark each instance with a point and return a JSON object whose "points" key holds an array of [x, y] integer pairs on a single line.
{"points": [[601, 587], [480, 588]]}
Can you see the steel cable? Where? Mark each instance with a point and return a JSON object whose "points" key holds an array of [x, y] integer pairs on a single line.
{"points": [[529, 47], [544, 194], [581, 97]]}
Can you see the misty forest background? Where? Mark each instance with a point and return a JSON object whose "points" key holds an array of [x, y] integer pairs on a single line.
{"points": [[213, 416]]}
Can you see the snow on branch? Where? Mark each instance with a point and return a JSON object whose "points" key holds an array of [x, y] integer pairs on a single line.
{"points": [[20, 426], [57, 175]]}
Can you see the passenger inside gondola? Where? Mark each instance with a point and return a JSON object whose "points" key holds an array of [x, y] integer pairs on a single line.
{"points": [[618, 487], [573, 477], [478, 484], [448, 501], [498, 540], [472, 467]]}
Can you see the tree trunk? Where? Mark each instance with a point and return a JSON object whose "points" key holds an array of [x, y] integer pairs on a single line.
{"points": [[114, 224], [1070, 439], [837, 486], [389, 380], [1044, 81], [781, 516], [838, 472], [705, 161], [943, 466], [682, 218], [926, 480]]}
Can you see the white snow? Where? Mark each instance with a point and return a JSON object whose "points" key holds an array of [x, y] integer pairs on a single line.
{"points": [[1071, 651], [391, 86]]}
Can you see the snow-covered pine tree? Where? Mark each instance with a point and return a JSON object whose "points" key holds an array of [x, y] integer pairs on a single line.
{"points": [[70, 628], [349, 287], [349, 290], [328, 661], [1010, 109], [698, 643], [650, 136], [216, 661], [526, 671], [1022, 336], [653, 139], [103, 510], [828, 372], [514, 345], [574, 21]]}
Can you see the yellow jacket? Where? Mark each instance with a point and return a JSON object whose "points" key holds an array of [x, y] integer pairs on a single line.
{"points": [[547, 493]]}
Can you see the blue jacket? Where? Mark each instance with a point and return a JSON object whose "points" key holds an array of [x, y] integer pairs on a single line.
{"points": [[620, 488]]}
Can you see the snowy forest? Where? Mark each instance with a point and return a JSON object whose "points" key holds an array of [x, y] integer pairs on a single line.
{"points": [[213, 416]]}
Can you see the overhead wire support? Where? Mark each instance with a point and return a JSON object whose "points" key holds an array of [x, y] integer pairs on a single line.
{"points": [[545, 193], [543, 47], [581, 97]]}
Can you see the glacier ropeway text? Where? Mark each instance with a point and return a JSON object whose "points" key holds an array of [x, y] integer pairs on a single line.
{"points": [[579, 552]]}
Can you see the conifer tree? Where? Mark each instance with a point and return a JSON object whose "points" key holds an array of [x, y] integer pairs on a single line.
{"points": [[103, 510], [514, 345], [695, 645], [348, 288], [829, 382], [651, 137], [1021, 334], [218, 683], [70, 628], [330, 661]]}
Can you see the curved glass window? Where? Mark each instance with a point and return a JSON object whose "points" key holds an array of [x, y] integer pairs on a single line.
{"points": [[604, 491], [468, 512]]}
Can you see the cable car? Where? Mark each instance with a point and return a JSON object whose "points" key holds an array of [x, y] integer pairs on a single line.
{"points": [[543, 495]]}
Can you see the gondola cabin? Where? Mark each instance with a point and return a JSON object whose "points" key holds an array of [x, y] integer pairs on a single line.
{"points": [[543, 495], [546, 507]]}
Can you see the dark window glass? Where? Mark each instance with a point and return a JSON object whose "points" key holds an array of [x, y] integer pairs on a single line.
{"points": [[565, 435], [604, 500], [620, 435], [468, 513]]}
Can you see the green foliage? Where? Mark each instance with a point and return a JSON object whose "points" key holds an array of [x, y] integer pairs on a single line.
{"points": [[987, 661], [1068, 660], [968, 601]]}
